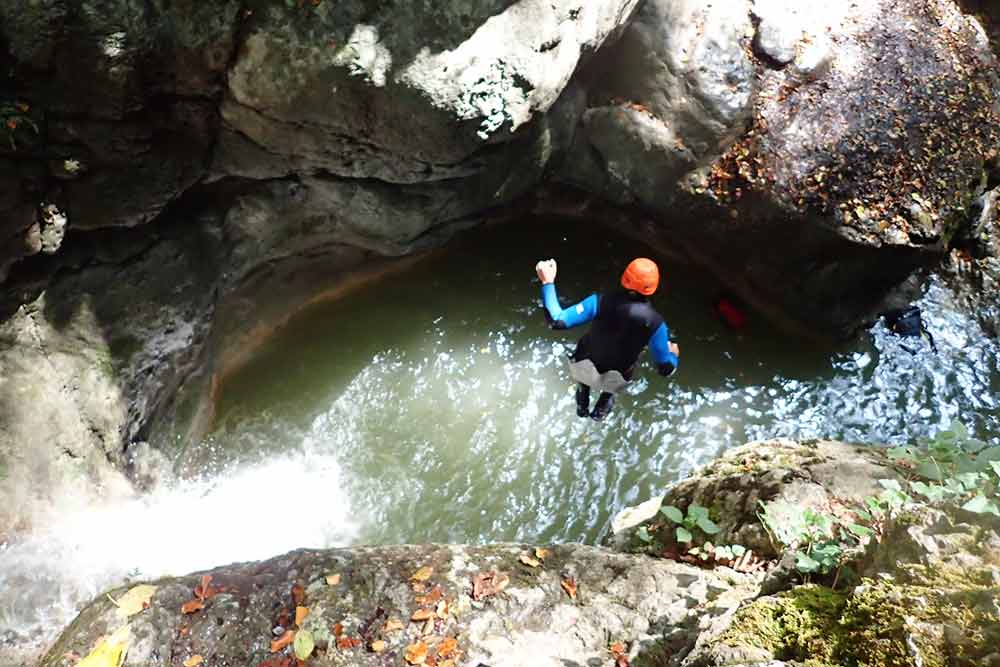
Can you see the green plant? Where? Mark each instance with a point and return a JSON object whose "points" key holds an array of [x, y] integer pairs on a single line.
{"points": [[952, 468], [696, 518], [821, 542]]}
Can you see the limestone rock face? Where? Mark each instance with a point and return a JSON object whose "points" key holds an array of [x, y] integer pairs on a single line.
{"points": [[817, 473], [842, 141], [401, 94], [532, 620]]}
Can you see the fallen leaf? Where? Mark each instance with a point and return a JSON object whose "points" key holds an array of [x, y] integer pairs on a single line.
{"points": [[442, 609], [430, 598], [300, 615], [338, 629], [541, 554], [528, 560], [422, 615], [107, 653], [304, 644], [194, 661], [447, 647], [428, 627], [191, 606], [135, 600], [416, 654], [423, 574], [377, 646], [347, 643], [282, 641], [298, 594], [392, 625], [486, 584], [569, 585], [333, 580], [204, 590], [620, 653]]}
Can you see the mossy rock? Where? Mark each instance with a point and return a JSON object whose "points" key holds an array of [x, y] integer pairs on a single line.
{"points": [[878, 624]]}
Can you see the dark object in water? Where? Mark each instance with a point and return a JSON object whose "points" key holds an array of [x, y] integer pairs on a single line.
{"points": [[908, 323], [730, 314]]}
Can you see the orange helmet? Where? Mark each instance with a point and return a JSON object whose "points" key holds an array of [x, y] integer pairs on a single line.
{"points": [[642, 276]]}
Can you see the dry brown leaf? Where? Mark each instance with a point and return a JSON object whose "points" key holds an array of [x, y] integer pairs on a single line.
{"points": [[347, 643], [447, 647], [423, 574], [204, 590], [298, 594], [191, 606], [377, 646], [300, 615], [541, 554], [620, 653], [338, 629], [422, 615], [392, 625], [282, 641], [333, 580], [194, 661], [486, 584], [430, 598], [416, 654], [528, 560], [569, 585]]}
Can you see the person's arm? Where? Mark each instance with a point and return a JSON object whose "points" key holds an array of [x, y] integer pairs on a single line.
{"points": [[665, 353], [557, 317], [575, 315]]}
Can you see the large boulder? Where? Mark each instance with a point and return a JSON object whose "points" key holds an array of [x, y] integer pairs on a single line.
{"points": [[499, 605], [823, 475], [837, 148]]}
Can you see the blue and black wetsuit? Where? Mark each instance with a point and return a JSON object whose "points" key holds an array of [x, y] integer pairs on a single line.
{"points": [[624, 322]]}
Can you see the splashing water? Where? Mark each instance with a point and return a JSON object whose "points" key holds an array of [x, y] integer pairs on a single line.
{"points": [[241, 514]]}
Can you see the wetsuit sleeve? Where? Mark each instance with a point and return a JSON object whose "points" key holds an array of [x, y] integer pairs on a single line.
{"points": [[659, 346], [575, 315]]}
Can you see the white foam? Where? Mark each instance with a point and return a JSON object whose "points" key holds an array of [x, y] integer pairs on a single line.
{"points": [[247, 514]]}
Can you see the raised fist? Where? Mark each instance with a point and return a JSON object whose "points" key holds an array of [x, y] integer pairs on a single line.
{"points": [[546, 270]]}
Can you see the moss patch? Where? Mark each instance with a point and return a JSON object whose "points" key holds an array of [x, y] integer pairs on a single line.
{"points": [[880, 624], [801, 624]]}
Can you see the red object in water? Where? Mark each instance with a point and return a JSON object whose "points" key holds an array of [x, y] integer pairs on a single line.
{"points": [[732, 317]]}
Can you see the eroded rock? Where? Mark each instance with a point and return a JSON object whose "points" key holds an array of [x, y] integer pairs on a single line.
{"points": [[821, 474], [531, 620]]}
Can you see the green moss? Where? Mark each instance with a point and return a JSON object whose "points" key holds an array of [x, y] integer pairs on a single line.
{"points": [[949, 622], [800, 624]]}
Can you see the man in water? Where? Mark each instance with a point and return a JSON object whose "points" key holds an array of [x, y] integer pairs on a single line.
{"points": [[624, 323]]}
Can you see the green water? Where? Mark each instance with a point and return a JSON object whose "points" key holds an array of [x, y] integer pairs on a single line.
{"points": [[440, 401]]}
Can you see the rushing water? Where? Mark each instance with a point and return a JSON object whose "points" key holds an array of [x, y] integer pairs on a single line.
{"points": [[436, 406]]}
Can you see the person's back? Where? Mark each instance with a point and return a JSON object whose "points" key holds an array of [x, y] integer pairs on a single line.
{"points": [[624, 322]]}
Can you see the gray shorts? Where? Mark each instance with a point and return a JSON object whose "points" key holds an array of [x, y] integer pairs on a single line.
{"points": [[585, 372]]}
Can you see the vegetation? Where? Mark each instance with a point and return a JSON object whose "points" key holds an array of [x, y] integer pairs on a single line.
{"points": [[951, 471]]}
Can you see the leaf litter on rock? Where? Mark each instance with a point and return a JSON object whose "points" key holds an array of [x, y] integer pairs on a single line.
{"points": [[490, 583], [135, 600]]}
